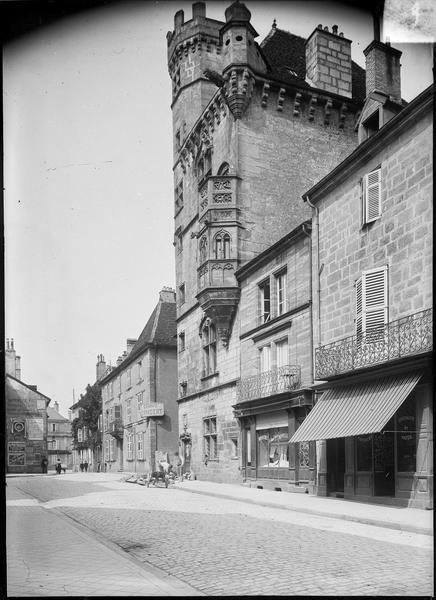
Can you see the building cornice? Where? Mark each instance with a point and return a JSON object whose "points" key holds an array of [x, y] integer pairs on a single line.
{"points": [[214, 388]]}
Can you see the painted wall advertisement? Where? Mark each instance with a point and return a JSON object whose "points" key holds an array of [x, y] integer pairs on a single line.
{"points": [[35, 429], [16, 454]]}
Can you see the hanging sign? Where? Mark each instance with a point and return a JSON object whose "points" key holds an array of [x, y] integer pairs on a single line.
{"points": [[155, 410]]}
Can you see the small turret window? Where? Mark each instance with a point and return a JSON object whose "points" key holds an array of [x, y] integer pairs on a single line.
{"points": [[222, 245], [239, 38]]}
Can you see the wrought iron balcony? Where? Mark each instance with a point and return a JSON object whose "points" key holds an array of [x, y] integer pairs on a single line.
{"points": [[406, 337], [116, 428], [276, 381]]}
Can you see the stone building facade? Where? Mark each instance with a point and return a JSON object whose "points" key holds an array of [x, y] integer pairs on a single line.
{"points": [[25, 419], [372, 303], [59, 438], [254, 126], [139, 395], [274, 393]]}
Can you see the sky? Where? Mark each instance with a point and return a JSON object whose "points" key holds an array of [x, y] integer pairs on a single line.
{"points": [[88, 217]]}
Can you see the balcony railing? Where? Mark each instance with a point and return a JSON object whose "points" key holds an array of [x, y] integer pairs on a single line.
{"points": [[280, 379], [116, 428], [406, 337]]}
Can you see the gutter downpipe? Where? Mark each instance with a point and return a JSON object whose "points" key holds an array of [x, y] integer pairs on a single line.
{"points": [[317, 270], [309, 235]]}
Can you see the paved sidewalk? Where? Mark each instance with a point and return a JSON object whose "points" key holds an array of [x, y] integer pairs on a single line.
{"points": [[48, 555], [404, 519]]}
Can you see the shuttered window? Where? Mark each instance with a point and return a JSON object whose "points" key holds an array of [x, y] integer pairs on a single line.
{"points": [[372, 300], [371, 196]]}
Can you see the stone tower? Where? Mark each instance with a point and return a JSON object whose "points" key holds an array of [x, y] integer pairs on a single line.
{"points": [[254, 126]]}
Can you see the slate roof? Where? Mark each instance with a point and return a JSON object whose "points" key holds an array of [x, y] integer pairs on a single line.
{"points": [[160, 330], [53, 414], [286, 52]]}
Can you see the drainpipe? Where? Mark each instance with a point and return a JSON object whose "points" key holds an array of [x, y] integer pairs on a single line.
{"points": [[309, 235], [317, 290]]}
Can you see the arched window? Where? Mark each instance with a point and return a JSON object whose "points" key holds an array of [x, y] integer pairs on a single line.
{"points": [[203, 249], [222, 245], [224, 169], [208, 338]]}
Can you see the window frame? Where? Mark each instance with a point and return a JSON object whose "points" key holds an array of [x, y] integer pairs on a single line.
{"points": [[361, 301], [265, 315], [209, 348], [370, 213], [210, 437], [281, 305]]}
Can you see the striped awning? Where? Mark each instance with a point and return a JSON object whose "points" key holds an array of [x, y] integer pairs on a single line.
{"points": [[358, 409]]}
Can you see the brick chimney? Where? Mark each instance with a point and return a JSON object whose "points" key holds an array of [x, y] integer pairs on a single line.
{"points": [[56, 406], [130, 343], [328, 61], [13, 362], [383, 70], [167, 294], [100, 367], [198, 10]]}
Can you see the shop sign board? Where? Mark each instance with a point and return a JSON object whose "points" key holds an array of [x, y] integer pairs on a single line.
{"points": [[155, 410]]}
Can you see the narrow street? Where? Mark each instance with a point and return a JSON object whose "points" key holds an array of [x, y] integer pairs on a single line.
{"points": [[123, 539]]}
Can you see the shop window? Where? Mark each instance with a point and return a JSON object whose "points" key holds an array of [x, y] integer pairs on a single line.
{"points": [[210, 438], [281, 298], [364, 453], [248, 447], [372, 303], [406, 436], [273, 447], [304, 455], [208, 336], [222, 245], [265, 301], [139, 447], [235, 447], [371, 196]]}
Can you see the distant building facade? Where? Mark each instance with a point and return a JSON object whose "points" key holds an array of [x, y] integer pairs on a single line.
{"points": [[253, 127], [26, 419], [139, 396], [59, 438]]}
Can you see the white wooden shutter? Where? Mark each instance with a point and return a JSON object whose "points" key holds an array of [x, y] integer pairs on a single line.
{"points": [[372, 196], [376, 298], [359, 313], [372, 300]]}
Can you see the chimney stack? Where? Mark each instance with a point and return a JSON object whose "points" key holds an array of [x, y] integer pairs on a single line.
{"points": [[167, 294], [101, 367], [179, 19], [198, 9], [383, 70], [130, 344], [56, 406], [328, 61], [13, 362]]}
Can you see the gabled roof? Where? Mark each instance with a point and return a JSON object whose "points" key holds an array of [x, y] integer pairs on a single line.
{"points": [[286, 56], [29, 387], [54, 415], [160, 330]]}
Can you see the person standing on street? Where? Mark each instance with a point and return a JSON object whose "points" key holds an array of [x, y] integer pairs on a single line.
{"points": [[58, 467], [81, 467], [86, 466], [44, 464]]}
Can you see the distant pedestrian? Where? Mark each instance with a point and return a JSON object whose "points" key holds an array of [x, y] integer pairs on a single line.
{"points": [[105, 467], [58, 467], [44, 464], [81, 467], [98, 467], [85, 464]]}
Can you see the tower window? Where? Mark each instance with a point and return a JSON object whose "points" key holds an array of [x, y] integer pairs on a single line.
{"points": [[222, 245]]}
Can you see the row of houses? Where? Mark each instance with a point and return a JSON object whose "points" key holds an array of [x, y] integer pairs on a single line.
{"points": [[36, 434], [296, 352]]}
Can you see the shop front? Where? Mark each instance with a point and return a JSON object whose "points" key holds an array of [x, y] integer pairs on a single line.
{"points": [[269, 460], [374, 440]]}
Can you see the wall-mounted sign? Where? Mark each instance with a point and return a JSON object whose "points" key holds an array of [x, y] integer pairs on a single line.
{"points": [[35, 429], [155, 410], [18, 426], [16, 459], [16, 447]]}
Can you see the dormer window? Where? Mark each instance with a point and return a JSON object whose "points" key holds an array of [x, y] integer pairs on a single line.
{"points": [[372, 124]]}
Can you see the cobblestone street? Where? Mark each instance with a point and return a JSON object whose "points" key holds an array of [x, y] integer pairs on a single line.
{"points": [[227, 547]]}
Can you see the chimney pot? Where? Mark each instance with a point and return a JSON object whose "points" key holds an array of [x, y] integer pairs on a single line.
{"points": [[319, 26], [335, 29], [341, 34], [326, 28]]}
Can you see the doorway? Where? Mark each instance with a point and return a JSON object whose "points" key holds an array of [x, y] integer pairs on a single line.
{"points": [[384, 462], [336, 467]]}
